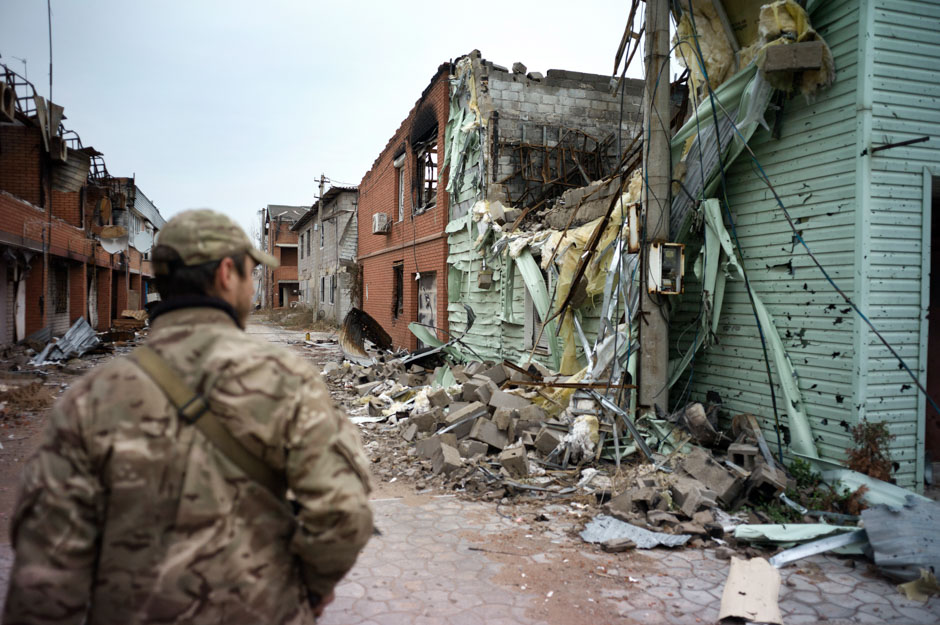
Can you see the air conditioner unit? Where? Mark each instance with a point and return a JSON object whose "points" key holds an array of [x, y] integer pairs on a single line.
{"points": [[380, 223]]}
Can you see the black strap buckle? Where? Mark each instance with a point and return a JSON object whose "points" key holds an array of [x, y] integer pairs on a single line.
{"points": [[191, 410]]}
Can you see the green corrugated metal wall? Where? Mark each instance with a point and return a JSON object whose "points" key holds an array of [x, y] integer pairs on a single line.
{"points": [[904, 95], [861, 216], [813, 169]]}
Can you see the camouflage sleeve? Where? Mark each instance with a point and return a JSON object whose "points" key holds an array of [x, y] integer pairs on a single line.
{"points": [[328, 473], [55, 529]]}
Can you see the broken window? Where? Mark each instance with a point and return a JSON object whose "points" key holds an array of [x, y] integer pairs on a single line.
{"points": [[398, 294], [426, 171], [399, 164]]}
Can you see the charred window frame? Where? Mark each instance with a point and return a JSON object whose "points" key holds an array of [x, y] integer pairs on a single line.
{"points": [[398, 293], [426, 172]]}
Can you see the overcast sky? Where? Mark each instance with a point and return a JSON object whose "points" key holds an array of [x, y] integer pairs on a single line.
{"points": [[237, 104]]}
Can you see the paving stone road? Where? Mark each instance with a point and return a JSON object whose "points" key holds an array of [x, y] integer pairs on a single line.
{"points": [[442, 560]]}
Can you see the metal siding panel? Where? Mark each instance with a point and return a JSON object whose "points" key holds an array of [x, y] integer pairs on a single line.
{"points": [[812, 167]]}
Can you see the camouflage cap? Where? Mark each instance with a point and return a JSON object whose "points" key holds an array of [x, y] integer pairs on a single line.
{"points": [[203, 235]]}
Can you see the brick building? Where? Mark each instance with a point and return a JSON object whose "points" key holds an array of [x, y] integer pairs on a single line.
{"points": [[55, 198], [403, 210], [280, 286], [328, 236]]}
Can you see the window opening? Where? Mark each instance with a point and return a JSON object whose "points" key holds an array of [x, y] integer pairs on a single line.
{"points": [[333, 288], [426, 171], [401, 194], [398, 299]]}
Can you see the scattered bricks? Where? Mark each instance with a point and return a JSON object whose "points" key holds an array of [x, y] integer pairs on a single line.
{"points": [[514, 461], [691, 496], [475, 367], [700, 465], [537, 76], [519, 68], [439, 398], [527, 439], [330, 367], [467, 414], [366, 388], [459, 374], [446, 459], [417, 369], [409, 432], [765, 483], [743, 455], [532, 413], [485, 431], [703, 517], [426, 421], [501, 399], [547, 440], [690, 527], [511, 216], [469, 448], [497, 374], [484, 392], [470, 387], [428, 447], [661, 519], [503, 417], [375, 408]]}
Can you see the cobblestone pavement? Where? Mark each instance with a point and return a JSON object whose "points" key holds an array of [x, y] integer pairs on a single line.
{"points": [[440, 559]]}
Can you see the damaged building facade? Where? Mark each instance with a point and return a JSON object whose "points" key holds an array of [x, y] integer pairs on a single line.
{"points": [[517, 142], [280, 287], [863, 205], [403, 211], [327, 237], [58, 205]]}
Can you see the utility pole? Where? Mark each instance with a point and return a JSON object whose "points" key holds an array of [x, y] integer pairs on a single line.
{"points": [[654, 324], [319, 251]]}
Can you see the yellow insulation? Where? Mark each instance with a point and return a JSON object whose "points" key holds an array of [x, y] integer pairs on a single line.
{"points": [[570, 247]]}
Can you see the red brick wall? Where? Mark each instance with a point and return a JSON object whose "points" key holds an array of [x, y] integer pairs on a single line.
{"points": [[104, 299], [121, 293], [78, 294], [419, 242], [21, 156], [67, 207]]}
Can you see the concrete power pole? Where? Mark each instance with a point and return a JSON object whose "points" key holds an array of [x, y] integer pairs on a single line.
{"points": [[654, 325], [319, 251]]}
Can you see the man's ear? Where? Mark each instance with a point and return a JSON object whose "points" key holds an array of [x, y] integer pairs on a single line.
{"points": [[224, 275]]}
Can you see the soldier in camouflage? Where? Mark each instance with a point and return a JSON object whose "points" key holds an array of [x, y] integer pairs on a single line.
{"points": [[129, 515]]}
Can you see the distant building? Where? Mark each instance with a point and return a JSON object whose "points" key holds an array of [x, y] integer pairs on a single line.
{"points": [[328, 274], [280, 286]]}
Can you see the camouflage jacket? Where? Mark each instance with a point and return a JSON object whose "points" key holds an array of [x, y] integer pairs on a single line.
{"points": [[127, 516]]}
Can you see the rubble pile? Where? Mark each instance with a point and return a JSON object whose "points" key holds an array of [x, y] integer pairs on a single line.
{"points": [[493, 432]]}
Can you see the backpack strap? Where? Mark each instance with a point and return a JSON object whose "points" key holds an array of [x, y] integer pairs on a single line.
{"points": [[193, 409]]}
